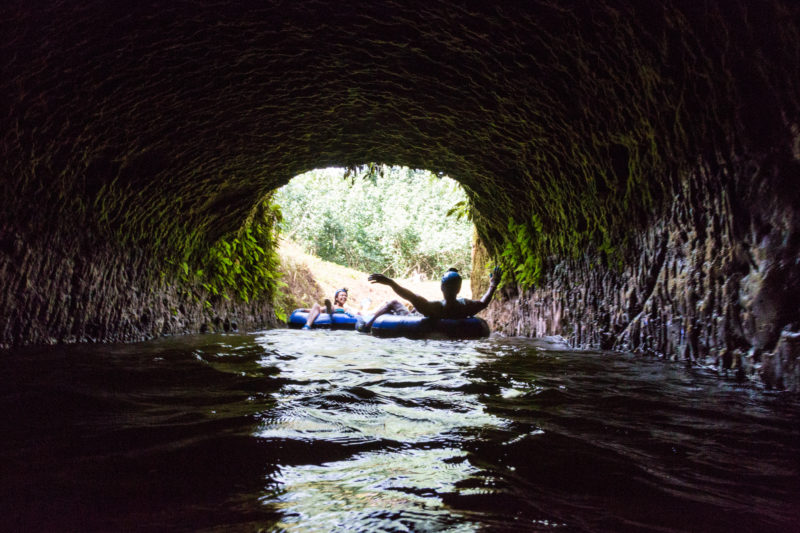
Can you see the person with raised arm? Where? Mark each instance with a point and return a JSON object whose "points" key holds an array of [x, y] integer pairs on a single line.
{"points": [[452, 306]]}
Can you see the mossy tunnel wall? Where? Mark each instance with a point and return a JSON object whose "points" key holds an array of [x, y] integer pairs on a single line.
{"points": [[634, 164]]}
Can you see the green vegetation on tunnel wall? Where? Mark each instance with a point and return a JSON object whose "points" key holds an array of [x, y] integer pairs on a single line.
{"points": [[588, 191], [244, 265]]}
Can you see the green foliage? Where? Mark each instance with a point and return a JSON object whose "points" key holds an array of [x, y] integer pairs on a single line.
{"points": [[377, 218], [526, 244], [244, 265], [461, 210], [521, 254]]}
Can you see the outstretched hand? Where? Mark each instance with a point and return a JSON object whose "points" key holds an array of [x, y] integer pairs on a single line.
{"points": [[496, 275], [379, 278]]}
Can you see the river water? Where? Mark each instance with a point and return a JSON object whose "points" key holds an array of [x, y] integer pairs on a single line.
{"points": [[339, 431]]}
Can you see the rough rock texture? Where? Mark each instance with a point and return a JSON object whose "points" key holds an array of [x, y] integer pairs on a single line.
{"points": [[77, 290], [637, 160], [714, 282]]}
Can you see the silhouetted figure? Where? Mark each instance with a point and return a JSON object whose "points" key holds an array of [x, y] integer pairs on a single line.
{"points": [[451, 306], [339, 299]]}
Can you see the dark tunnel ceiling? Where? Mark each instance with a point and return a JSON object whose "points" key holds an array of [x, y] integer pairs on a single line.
{"points": [[151, 117]]}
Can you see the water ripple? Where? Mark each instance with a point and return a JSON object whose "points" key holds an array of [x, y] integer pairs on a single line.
{"points": [[337, 431]]}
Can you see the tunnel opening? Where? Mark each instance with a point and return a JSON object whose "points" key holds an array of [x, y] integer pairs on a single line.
{"points": [[409, 224]]}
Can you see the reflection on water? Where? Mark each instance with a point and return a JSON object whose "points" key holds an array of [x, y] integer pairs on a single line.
{"points": [[373, 491], [337, 431], [407, 400]]}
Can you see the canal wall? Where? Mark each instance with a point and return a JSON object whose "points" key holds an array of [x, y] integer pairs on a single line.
{"points": [[78, 287], [715, 282]]}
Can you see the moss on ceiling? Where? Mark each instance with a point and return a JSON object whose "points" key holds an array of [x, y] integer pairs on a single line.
{"points": [[566, 122]]}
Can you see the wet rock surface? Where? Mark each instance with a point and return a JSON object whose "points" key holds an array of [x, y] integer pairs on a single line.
{"points": [[83, 290], [713, 283]]}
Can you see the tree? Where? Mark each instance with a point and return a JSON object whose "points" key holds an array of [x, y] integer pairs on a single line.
{"points": [[379, 219]]}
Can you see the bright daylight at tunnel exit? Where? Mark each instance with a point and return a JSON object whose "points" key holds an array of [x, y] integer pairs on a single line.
{"points": [[410, 225], [400, 265]]}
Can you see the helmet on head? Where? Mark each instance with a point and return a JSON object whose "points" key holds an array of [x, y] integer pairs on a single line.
{"points": [[336, 294], [451, 281]]}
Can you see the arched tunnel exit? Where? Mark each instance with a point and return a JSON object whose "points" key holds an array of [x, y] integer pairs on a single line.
{"points": [[633, 165]]}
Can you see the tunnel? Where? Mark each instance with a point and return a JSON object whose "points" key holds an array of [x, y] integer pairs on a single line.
{"points": [[633, 165]]}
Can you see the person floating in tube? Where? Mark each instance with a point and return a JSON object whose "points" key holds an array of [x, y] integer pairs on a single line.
{"points": [[339, 300], [451, 307]]}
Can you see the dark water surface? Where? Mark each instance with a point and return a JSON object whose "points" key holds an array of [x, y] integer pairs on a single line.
{"points": [[337, 431]]}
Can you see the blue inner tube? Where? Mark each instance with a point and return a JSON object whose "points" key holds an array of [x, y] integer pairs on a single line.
{"points": [[420, 327], [336, 321]]}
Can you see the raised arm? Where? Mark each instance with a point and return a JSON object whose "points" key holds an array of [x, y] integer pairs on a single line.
{"points": [[476, 306], [494, 281], [416, 300]]}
